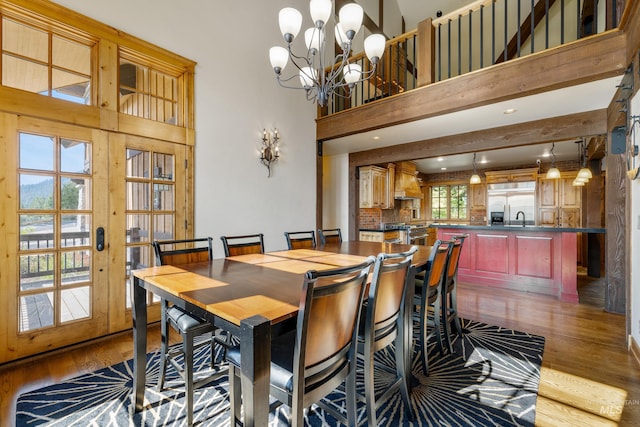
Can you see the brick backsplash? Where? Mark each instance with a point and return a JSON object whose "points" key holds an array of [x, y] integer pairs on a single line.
{"points": [[373, 218]]}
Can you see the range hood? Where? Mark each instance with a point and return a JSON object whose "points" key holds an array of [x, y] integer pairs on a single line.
{"points": [[406, 182]]}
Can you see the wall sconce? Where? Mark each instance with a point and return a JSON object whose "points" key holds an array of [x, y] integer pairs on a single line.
{"points": [[269, 151]]}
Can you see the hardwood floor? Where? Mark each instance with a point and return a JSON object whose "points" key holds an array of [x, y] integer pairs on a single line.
{"points": [[588, 378]]}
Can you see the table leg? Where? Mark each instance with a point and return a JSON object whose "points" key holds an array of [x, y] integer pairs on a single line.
{"points": [[255, 353], [139, 314]]}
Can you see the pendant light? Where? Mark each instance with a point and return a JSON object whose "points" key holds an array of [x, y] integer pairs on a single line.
{"points": [[553, 172], [475, 178], [584, 173]]}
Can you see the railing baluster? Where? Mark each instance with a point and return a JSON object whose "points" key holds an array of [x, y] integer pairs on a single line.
{"points": [[459, 45], [519, 34], [449, 49], [533, 25], [470, 41], [578, 20], [482, 36], [546, 24], [561, 21], [506, 29], [439, 52], [493, 33]]}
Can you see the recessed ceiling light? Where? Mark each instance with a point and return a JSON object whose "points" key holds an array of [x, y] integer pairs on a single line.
{"points": [[510, 111], [440, 159], [443, 169], [546, 153], [484, 160], [376, 138]]}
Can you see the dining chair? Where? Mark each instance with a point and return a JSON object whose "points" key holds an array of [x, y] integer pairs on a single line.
{"points": [[382, 323], [427, 296], [449, 300], [300, 239], [320, 354], [242, 245], [195, 332], [332, 235]]}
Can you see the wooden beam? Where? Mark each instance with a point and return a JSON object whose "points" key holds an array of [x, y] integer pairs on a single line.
{"points": [[583, 61], [539, 131]]}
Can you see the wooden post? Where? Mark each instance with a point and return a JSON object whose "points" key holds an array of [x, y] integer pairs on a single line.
{"points": [[426, 61]]}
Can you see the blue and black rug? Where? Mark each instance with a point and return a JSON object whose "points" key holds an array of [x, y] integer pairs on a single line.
{"points": [[492, 379]]}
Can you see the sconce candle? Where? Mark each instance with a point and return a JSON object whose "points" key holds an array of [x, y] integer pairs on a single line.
{"points": [[269, 151]]}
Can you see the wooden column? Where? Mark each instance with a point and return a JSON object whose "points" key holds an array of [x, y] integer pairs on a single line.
{"points": [[426, 61]]}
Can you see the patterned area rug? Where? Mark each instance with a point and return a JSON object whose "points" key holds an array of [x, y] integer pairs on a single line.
{"points": [[492, 379]]}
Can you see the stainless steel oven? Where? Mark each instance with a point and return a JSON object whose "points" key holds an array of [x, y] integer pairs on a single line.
{"points": [[417, 235]]}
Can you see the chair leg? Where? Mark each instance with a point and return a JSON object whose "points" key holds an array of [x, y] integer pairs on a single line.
{"points": [[444, 313], [351, 396], [164, 346], [454, 307], [403, 372], [423, 337], [234, 395], [369, 391], [187, 346], [436, 322]]}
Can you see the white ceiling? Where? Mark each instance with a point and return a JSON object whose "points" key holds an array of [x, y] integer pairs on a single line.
{"points": [[581, 98]]}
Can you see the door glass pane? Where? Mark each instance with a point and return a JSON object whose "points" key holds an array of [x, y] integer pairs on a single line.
{"points": [[163, 197], [75, 193], [75, 267], [138, 196], [75, 156], [36, 232], [75, 304], [36, 192], [138, 228], [76, 230], [36, 152], [36, 311], [163, 166], [138, 257], [138, 164], [163, 227], [37, 271]]}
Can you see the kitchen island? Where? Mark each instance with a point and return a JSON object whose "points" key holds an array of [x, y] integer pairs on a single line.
{"points": [[531, 259]]}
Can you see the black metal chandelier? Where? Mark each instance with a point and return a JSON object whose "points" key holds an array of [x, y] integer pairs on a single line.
{"points": [[319, 82]]}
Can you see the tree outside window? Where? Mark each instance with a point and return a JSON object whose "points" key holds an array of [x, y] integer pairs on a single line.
{"points": [[449, 202]]}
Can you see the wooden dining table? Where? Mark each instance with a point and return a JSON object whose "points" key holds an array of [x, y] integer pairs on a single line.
{"points": [[254, 297]]}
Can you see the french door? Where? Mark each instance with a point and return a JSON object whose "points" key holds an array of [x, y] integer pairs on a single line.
{"points": [[80, 209]]}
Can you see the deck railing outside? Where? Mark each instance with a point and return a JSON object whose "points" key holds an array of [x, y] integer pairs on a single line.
{"points": [[477, 36]]}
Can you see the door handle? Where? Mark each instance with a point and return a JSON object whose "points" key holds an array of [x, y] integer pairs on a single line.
{"points": [[100, 239]]}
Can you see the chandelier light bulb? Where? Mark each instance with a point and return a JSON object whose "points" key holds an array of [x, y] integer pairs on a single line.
{"points": [[290, 21], [352, 73], [351, 15], [312, 38], [341, 37], [374, 47], [307, 77], [279, 57], [320, 11]]}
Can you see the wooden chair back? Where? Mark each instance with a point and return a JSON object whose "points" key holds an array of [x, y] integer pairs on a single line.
{"points": [[241, 245], [327, 325], [184, 251], [438, 263], [300, 239], [388, 287], [454, 258], [332, 235]]}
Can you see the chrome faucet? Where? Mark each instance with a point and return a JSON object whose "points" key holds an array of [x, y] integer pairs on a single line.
{"points": [[518, 216]]}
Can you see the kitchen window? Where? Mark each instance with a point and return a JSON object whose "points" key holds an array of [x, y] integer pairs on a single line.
{"points": [[449, 201]]}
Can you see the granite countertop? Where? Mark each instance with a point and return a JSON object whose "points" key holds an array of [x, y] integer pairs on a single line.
{"points": [[382, 230], [521, 228]]}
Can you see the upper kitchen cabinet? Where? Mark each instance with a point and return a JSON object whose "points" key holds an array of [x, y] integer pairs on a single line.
{"points": [[377, 187], [515, 175], [478, 196]]}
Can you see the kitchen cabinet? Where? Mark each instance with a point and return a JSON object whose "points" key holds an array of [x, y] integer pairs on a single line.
{"points": [[559, 202], [376, 187], [478, 196], [515, 175]]}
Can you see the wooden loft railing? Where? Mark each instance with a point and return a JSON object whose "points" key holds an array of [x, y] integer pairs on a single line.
{"points": [[477, 36]]}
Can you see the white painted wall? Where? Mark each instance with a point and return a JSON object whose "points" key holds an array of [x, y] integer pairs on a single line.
{"points": [[236, 97], [635, 235], [335, 197]]}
